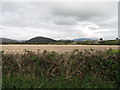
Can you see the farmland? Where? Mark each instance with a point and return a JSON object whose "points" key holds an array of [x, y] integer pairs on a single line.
{"points": [[56, 48], [44, 66]]}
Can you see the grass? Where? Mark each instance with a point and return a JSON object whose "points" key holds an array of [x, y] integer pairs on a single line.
{"points": [[115, 51], [77, 69]]}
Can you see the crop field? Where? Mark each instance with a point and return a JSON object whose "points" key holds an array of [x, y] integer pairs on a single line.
{"points": [[56, 48], [81, 66]]}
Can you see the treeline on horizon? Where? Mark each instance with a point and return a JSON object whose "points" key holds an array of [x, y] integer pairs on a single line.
{"points": [[70, 42]]}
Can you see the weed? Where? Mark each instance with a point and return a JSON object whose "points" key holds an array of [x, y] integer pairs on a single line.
{"points": [[78, 69]]}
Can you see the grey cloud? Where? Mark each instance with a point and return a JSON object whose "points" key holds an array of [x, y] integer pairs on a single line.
{"points": [[100, 13], [93, 28], [64, 20], [59, 20]]}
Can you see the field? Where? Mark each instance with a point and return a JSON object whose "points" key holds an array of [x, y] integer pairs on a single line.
{"points": [[44, 66], [56, 48]]}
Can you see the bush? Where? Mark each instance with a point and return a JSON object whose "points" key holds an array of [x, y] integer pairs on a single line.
{"points": [[88, 69]]}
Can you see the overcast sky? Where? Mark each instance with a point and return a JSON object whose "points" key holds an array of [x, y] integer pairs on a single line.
{"points": [[59, 20]]}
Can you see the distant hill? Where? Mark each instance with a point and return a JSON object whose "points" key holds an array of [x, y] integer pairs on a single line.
{"points": [[64, 40], [6, 40], [84, 39], [41, 40]]}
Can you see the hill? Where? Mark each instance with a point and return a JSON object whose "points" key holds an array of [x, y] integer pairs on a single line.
{"points": [[40, 40], [6, 40], [84, 39]]}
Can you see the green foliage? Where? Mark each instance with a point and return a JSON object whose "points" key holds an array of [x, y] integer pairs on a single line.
{"points": [[86, 42], [66, 42], [78, 69], [110, 42], [107, 42]]}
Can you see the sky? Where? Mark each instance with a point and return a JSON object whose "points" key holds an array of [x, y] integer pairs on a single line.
{"points": [[59, 20]]}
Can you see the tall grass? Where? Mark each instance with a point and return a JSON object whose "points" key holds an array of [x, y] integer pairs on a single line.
{"points": [[77, 69]]}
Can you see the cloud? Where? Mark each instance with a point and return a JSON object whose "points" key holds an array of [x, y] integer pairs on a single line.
{"points": [[59, 20], [93, 12]]}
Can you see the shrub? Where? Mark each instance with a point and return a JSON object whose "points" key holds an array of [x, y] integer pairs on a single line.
{"points": [[88, 68]]}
